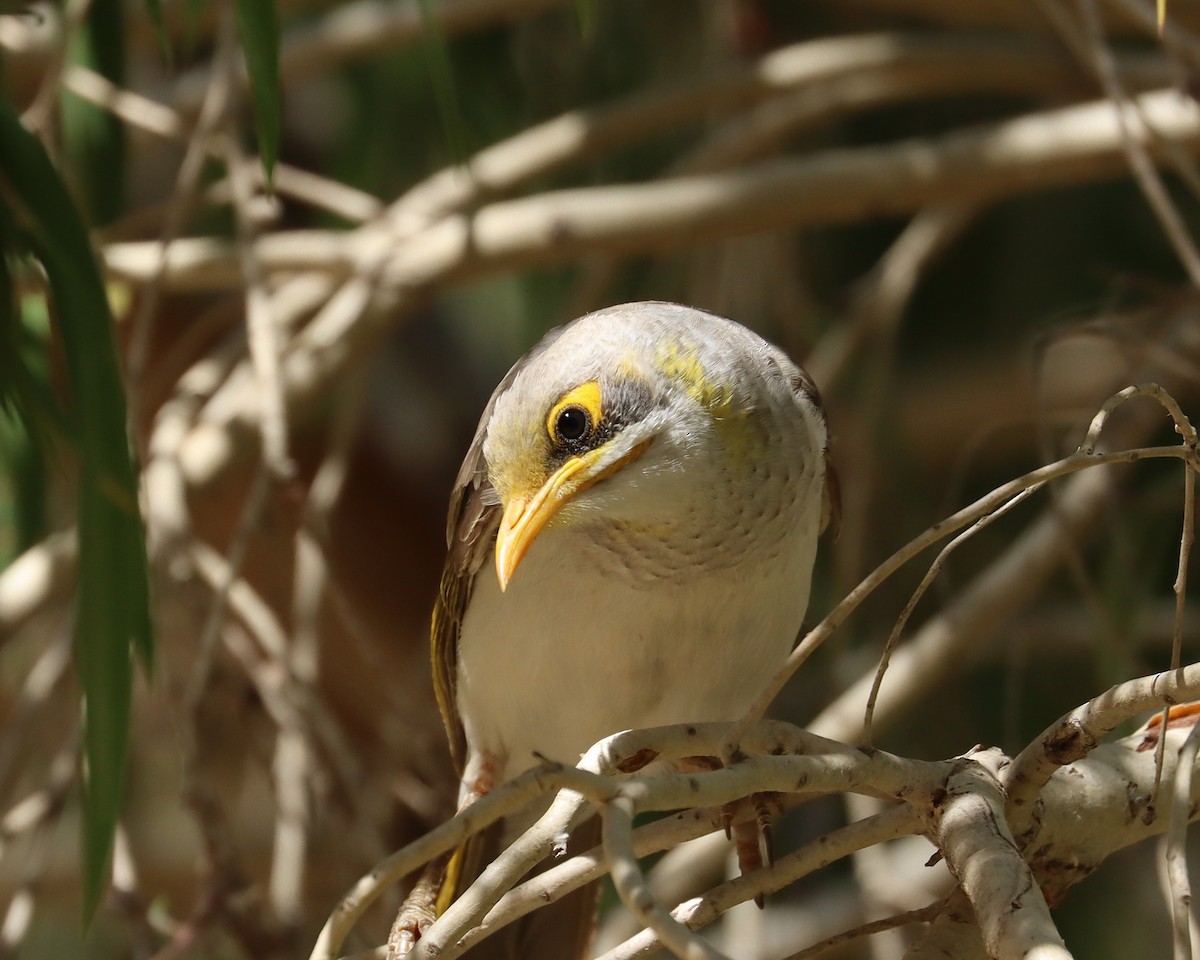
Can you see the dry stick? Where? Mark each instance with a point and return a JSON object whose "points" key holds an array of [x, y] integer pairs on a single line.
{"points": [[990, 596], [290, 771], [1188, 435], [1176, 859], [893, 280], [1088, 447], [214, 107], [1064, 146], [211, 630], [969, 827], [501, 802], [870, 332], [505, 871], [21, 908], [919, 915], [164, 493], [126, 898], [359, 29], [832, 768], [839, 770], [930, 575], [561, 879], [1086, 813], [1075, 144], [41, 110], [287, 699], [40, 576], [1177, 868], [1140, 163], [39, 807], [1078, 732], [896, 821], [28, 712], [874, 70], [1186, 540], [681, 740], [557, 881], [1088, 47], [969, 514], [631, 886], [830, 76], [835, 186], [294, 758], [262, 333], [154, 118]]}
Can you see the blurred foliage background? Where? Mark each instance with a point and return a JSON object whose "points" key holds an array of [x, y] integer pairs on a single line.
{"points": [[896, 191]]}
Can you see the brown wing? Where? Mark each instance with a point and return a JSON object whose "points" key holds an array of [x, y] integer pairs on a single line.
{"points": [[475, 519], [470, 539]]}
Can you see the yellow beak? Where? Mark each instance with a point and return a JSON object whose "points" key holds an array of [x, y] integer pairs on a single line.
{"points": [[524, 518]]}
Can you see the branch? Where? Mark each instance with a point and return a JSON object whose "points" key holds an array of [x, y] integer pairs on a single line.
{"points": [[969, 828], [985, 164]]}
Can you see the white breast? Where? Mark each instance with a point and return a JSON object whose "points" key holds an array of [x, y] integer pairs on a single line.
{"points": [[595, 635]]}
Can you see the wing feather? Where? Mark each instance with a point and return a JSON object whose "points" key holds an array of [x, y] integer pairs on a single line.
{"points": [[471, 527]]}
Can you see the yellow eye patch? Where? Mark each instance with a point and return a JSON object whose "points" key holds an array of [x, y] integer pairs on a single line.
{"points": [[586, 397]]}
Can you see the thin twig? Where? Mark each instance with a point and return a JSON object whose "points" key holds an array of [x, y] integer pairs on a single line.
{"points": [[894, 922], [926, 581], [631, 886], [248, 520], [896, 821], [969, 514], [1134, 142], [214, 108]]}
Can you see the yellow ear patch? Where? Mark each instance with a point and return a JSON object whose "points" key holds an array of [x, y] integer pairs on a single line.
{"points": [[586, 396], [680, 363]]}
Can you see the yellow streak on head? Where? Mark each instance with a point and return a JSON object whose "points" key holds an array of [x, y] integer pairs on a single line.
{"points": [[740, 433], [680, 362]]}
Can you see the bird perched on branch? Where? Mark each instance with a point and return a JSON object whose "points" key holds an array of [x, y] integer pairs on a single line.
{"points": [[631, 539]]}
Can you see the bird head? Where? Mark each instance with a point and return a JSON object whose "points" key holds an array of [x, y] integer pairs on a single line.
{"points": [[630, 415]]}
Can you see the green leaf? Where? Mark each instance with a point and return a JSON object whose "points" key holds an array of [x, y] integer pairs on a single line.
{"points": [[259, 29], [93, 138], [155, 12], [112, 603], [192, 11], [441, 72], [585, 13]]}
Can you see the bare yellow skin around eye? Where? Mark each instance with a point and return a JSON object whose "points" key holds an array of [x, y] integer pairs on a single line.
{"points": [[586, 395]]}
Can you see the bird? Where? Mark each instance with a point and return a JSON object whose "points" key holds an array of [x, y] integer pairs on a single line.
{"points": [[631, 539]]}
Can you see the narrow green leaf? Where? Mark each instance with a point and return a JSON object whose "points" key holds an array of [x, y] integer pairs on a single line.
{"points": [[93, 138], [585, 13], [192, 11], [24, 419], [258, 26], [112, 604], [155, 12], [445, 90]]}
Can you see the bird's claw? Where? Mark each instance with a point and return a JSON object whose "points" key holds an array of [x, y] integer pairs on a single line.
{"points": [[418, 912], [753, 837]]}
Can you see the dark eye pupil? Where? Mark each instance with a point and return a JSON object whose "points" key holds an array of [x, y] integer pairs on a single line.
{"points": [[573, 423]]}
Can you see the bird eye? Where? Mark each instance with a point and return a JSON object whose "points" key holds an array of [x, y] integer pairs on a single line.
{"points": [[572, 423], [574, 420]]}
